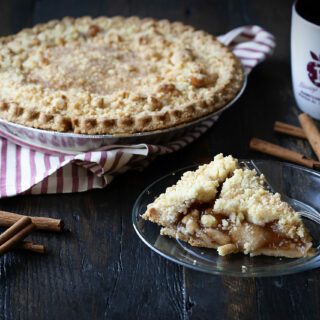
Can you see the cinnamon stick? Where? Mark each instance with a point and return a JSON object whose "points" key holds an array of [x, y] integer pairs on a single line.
{"points": [[283, 153], [14, 229], [17, 235], [7, 219], [30, 246], [289, 129], [311, 131]]}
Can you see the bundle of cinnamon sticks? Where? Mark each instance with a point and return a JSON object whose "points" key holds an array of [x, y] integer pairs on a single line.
{"points": [[307, 131], [20, 227]]}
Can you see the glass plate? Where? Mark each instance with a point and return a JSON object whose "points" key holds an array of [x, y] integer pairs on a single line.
{"points": [[299, 186]]}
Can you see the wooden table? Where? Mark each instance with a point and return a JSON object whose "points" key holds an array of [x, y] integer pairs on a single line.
{"points": [[100, 268]]}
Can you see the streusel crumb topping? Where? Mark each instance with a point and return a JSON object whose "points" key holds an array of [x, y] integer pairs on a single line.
{"points": [[200, 185], [244, 194], [124, 75]]}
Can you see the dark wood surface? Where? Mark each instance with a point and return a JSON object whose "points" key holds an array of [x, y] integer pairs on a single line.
{"points": [[100, 269]]}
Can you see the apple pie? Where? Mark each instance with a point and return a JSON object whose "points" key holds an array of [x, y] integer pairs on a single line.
{"points": [[229, 208], [114, 75]]}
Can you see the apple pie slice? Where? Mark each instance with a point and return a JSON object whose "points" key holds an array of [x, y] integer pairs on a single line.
{"points": [[229, 208]]}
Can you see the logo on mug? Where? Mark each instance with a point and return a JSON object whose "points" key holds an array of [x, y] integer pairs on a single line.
{"points": [[313, 69]]}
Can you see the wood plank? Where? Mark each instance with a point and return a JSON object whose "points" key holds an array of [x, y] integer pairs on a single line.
{"points": [[15, 15], [295, 295], [100, 269]]}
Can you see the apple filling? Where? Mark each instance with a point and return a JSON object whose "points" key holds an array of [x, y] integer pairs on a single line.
{"points": [[204, 227]]}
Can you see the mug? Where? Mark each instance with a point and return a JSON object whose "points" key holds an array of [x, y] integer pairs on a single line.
{"points": [[305, 56]]}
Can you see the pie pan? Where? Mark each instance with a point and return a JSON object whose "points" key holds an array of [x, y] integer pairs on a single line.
{"points": [[298, 186], [76, 143]]}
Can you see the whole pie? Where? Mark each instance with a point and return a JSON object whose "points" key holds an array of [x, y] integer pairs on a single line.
{"points": [[223, 206], [113, 75]]}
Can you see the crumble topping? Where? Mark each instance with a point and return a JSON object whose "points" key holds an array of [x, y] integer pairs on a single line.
{"points": [[120, 69], [200, 185], [244, 194]]}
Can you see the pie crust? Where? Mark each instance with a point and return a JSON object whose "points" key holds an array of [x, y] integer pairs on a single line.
{"points": [[114, 75], [229, 208]]}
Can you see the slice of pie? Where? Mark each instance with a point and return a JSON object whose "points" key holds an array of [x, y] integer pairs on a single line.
{"points": [[114, 75], [229, 208]]}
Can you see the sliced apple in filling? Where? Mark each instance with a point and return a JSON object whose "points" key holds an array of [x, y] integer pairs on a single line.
{"points": [[227, 208]]}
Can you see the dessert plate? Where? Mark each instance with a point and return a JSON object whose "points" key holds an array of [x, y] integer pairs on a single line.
{"points": [[76, 143], [298, 186]]}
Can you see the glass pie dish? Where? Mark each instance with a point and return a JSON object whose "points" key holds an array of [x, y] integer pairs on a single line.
{"points": [[297, 185]]}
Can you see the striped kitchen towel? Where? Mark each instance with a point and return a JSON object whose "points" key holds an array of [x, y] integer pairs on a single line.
{"points": [[28, 169]]}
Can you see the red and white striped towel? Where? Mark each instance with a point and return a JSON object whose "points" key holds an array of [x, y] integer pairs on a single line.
{"points": [[28, 169]]}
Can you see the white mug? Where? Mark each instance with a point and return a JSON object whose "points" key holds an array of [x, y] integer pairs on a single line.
{"points": [[305, 59]]}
